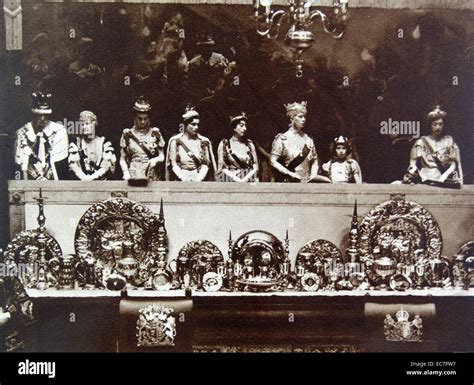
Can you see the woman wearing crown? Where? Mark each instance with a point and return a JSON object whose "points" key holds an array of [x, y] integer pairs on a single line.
{"points": [[293, 152], [236, 157], [142, 146], [189, 157], [435, 158], [91, 157], [341, 168]]}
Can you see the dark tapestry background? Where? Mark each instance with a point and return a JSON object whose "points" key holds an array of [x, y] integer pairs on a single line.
{"points": [[389, 76]]}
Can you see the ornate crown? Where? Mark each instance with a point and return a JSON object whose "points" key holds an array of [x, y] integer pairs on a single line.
{"points": [[341, 140], [141, 104], [296, 107], [156, 311], [190, 113], [402, 315], [40, 103], [241, 116], [437, 113]]}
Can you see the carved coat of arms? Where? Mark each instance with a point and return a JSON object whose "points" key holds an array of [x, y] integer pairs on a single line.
{"points": [[156, 326], [403, 329]]}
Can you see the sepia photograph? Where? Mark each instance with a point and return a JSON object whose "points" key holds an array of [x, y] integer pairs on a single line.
{"points": [[237, 176]]}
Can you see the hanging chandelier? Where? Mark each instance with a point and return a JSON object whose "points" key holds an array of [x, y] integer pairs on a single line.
{"points": [[300, 17]]}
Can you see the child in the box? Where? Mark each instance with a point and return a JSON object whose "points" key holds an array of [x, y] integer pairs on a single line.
{"points": [[342, 168]]}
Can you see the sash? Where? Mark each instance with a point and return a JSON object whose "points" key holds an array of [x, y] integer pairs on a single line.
{"points": [[299, 159], [193, 157], [433, 154], [279, 177], [142, 146], [237, 160]]}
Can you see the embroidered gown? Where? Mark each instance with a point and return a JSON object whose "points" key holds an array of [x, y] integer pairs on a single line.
{"points": [[435, 157], [238, 158], [95, 158], [189, 156], [288, 146], [140, 148]]}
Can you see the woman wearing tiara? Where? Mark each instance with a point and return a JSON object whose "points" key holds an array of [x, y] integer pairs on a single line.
{"points": [[142, 146], [435, 158], [294, 154], [92, 157], [236, 157], [189, 157]]}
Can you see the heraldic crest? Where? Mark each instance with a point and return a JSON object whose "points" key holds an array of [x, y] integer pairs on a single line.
{"points": [[156, 326], [402, 329]]}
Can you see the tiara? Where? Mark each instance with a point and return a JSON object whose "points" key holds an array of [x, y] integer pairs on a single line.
{"points": [[141, 105], [190, 112], [341, 140], [436, 113], [241, 116], [296, 106], [88, 114]]}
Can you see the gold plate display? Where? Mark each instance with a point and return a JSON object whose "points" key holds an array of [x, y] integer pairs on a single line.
{"points": [[258, 283], [405, 230], [194, 260], [261, 247], [118, 232], [212, 281], [310, 282], [23, 253], [318, 252]]}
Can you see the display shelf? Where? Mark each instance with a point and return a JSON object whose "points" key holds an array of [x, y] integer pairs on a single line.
{"points": [[133, 293]]}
